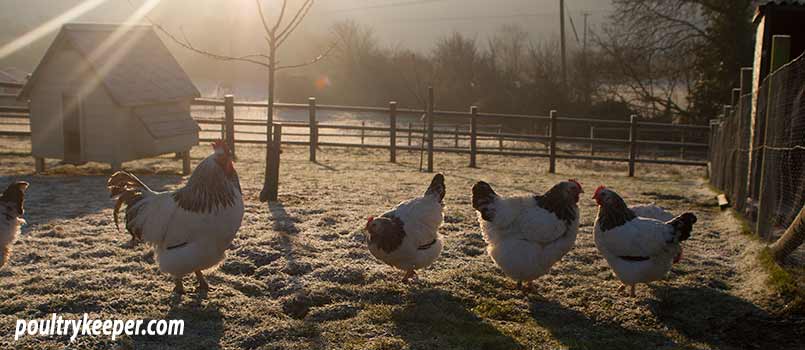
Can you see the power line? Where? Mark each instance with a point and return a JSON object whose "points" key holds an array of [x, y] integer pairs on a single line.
{"points": [[388, 5]]}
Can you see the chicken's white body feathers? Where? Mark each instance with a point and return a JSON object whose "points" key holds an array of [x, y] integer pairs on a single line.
{"points": [[10, 224], [422, 218], [640, 237], [186, 241], [525, 240]]}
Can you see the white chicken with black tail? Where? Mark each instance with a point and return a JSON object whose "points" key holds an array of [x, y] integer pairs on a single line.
{"points": [[527, 235], [190, 228], [11, 211], [407, 236], [638, 249]]}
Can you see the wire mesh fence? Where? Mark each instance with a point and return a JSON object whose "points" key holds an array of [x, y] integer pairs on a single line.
{"points": [[759, 163]]}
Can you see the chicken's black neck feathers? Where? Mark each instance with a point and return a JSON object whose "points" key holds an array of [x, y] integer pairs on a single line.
{"points": [[614, 214], [209, 188], [391, 237], [558, 202]]}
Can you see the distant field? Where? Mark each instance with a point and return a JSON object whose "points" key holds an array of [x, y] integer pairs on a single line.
{"points": [[300, 277]]}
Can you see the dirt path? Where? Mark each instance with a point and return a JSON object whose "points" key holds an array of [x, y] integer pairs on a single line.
{"points": [[300, 276]]}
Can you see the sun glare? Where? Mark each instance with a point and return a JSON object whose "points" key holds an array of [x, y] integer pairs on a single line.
{"points": [[48, 27]]}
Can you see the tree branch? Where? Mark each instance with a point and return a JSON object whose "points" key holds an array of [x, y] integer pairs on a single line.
{"points": [[252, 58], [295, 21], [318, 58]]}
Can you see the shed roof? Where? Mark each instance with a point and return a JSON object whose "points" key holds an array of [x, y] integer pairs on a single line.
{"points": [[133, 64], [164, 121]]}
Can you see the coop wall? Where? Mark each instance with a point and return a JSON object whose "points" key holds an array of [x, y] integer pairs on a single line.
{"points": [[67, 73]]}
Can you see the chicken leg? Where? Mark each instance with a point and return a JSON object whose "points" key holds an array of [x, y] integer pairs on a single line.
{"points": [[202, 282], [179, 288]]}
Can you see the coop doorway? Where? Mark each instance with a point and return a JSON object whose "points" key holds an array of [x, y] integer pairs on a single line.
{"points": [[71, 125]]}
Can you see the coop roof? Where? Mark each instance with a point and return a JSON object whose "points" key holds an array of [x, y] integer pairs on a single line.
{"points": [[133, 64], [164, 121]]}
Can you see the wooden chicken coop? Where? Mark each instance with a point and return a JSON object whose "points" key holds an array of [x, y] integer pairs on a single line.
{"points": [[112, 94], [776, 17]]}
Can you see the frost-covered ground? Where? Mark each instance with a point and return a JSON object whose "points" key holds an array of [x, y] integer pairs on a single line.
{"points": [[300, 277]]}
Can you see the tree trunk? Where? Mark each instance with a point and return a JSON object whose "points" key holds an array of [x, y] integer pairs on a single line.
{"points": [[791, 239], [269, 116]]}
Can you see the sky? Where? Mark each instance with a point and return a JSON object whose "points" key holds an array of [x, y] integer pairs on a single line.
{"points": [[415, 24]]}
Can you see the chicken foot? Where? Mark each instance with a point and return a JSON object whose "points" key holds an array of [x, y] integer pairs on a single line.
{"points": [[202, 282], [631, 289], [409, 275]]}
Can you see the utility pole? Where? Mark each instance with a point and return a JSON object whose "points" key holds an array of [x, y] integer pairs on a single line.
{"points": [[587, 92], [562, 38]]}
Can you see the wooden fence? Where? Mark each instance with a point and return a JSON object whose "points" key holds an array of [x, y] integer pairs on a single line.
{"points": [[467, 133], [473, 133]]}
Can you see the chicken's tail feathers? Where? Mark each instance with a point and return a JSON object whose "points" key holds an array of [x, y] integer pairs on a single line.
{"points": [[15, 194], [128, 189], [437, 187], [482, 197], [122, 181], [683, 225]]}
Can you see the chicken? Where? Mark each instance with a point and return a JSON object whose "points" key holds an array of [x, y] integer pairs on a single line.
{"points": [[190, 228], [11, 211], [638, 249], [407, 236], [527, 235], [651, 211]]}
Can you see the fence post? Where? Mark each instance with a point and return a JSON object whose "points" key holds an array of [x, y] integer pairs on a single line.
{"points": [[363, 132], [393, 131], [314, 130], [632, 144], [500, 138], [410, 135], [743, 172], [430, 128], [592, 138], [552, 143], [274, 164], [39, 164], [186, 162], [780, 55], [473, 136], [711, 151], [229, 116], [736, 97]]}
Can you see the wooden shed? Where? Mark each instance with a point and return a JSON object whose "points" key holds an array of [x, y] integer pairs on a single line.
{"points": [[776, 17], [109, 93]]}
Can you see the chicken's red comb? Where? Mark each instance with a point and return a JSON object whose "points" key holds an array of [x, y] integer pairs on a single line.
{"points": [[220, 144], [369, 221], [598, 190], [575, 181]]}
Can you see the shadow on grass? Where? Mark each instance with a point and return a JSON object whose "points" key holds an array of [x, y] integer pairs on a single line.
{"points": [[203, 329], [54, 197], [717, 318], [577, 331], [435, 319]]}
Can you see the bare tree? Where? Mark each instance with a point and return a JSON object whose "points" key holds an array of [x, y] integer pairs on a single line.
{"points": [[676, 56], [277, 33]]}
